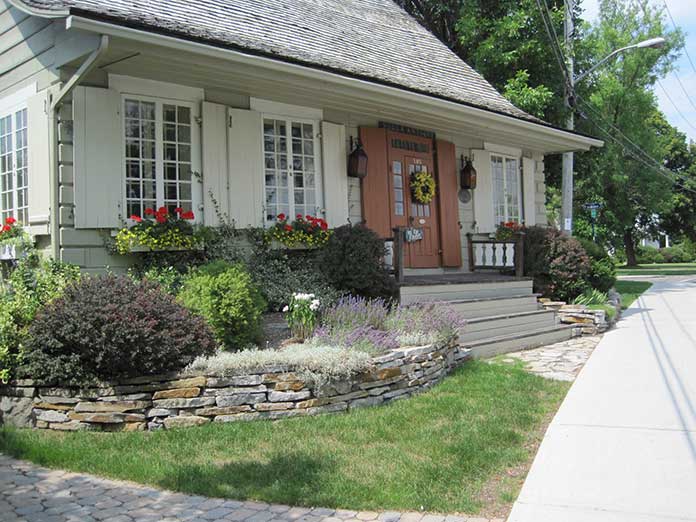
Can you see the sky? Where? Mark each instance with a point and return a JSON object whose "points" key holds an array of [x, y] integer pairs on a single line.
{"points": [[684, 14]]}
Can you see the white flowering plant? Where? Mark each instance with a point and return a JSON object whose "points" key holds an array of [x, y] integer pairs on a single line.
{"points": [[302, 315]]}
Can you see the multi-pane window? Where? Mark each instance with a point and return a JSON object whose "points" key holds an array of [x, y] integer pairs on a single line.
{"points": [[158, 152], [506, 189], [291, 168], [14, 181]]}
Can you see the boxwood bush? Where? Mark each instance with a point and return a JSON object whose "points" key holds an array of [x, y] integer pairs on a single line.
{"points": [[226, 296], [110, 327]]}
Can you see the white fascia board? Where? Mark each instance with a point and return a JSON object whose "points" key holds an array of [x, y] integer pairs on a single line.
{"points": [[567, 141]]}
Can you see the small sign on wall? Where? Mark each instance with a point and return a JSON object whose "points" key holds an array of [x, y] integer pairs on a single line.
{"points": [[413, 234]]}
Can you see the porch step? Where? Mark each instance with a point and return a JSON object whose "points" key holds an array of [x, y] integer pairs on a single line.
{"points": [[506, 324], [419, 293], [520, 341], [492, 306]]}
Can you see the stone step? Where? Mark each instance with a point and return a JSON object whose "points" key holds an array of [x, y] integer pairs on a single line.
{"points": [[492, 306], [492, 346], [506, 324], [465, 291]]}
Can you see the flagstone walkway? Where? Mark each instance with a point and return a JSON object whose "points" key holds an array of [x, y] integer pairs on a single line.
{"points": [[561, 361], [29, 493]]}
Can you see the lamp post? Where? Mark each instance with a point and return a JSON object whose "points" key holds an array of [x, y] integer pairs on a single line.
{"points": [[568, 158]]}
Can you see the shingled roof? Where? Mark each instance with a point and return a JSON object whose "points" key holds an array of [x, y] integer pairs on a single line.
{"points": [[369, 39]]}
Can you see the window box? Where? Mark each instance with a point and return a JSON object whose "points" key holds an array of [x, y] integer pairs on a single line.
{"points": [[11, 252]]}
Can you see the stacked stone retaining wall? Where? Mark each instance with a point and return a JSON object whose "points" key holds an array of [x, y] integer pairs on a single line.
{"points": [[172, 401]]}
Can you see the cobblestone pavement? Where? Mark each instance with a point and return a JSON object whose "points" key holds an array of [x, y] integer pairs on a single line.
{"points": [[29, 493], [561, 361]]}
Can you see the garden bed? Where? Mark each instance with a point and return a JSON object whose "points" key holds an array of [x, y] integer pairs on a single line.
{"points": [[271, 391]]}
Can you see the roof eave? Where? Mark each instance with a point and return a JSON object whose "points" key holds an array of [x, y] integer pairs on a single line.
{"points": [[566, 140]]}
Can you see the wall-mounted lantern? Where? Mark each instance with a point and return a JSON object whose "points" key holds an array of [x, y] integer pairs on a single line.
{"points": [[467, 174], [357, 160]]}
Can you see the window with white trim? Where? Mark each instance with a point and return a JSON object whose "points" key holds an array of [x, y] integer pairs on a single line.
{"points": [[160, 150], [506, 189], [292, 176], [14, 180]]}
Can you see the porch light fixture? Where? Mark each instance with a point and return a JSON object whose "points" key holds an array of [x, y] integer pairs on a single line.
{"points": [[357, 160], [467, 174]]}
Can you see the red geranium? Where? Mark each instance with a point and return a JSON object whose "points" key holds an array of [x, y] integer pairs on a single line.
{"points": [[299, 216], [288, 228], [163, 211], [10, 221], [6, 228], [161, 219], [187, 215], [136, 218], [281, 217], [178, 210], [149, 211]]}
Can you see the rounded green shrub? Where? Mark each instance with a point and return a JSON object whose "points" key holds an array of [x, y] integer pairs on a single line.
{"points": [[646, 255], [111, 327], [602, 275], [226, 296], [29, 287], [353, 262], [676, 254]]}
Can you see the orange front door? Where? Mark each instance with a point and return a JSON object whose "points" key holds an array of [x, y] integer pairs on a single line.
{"points": [[407, 156]]}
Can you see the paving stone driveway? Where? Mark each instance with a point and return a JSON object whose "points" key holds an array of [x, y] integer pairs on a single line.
{"points": [[29, 493]]}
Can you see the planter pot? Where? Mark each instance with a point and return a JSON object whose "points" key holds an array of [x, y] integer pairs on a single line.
{"points": [[277, 245], [11, 252]]}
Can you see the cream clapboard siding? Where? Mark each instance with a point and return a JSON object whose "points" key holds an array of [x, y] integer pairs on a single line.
{"points": [[245, 167], [215, 162], [98, 171], [27, 49], [39, 160], [333, 139], [483, 194], [529, 188]]}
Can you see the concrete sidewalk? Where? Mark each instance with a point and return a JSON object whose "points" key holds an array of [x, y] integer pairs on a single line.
{"points": [[622, 447]]}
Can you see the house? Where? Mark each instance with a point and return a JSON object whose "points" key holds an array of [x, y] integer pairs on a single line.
{"points": [[107, 108]]}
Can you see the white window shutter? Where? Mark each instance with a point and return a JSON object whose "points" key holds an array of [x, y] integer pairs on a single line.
{"points": [[39, 160], [214, 162], [529, 191], [334, 155], [245, 171], [483, 194], [98, 161]]}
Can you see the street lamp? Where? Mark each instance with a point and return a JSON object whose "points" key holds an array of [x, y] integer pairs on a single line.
{"points": [[567, 183]]}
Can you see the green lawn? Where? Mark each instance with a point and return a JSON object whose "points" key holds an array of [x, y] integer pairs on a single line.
{"points": [[659, 269], [630, 291], [452, 449]]}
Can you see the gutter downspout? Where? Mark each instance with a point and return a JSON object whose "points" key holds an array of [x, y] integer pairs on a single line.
{"points": [[54, 103]]}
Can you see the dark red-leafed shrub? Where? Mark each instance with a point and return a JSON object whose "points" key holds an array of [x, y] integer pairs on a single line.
{"points": [[558, 263], [110, 327]]}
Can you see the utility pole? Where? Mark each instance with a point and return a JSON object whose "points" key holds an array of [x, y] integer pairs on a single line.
{"points": [[567, 181]]}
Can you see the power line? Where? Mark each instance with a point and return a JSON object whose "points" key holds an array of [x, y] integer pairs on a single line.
{"points": [[635, 151], [686, 51], [676, 108], [555, 46]]}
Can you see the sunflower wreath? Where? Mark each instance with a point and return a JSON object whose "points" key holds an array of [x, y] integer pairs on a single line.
{"points": [[422, 187]]}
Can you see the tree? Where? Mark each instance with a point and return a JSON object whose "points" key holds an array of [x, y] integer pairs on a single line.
{"points": [[506, 42], [621, 98]]}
